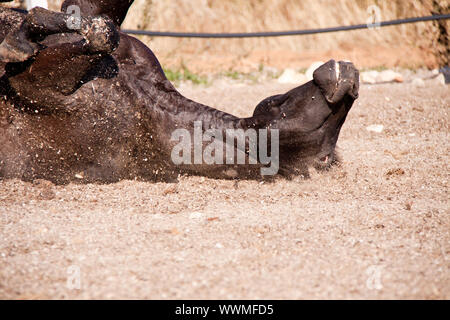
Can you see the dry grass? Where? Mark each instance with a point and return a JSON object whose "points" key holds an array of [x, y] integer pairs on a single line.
{"points": [[270, 15], [264, 15], [385, 47]]}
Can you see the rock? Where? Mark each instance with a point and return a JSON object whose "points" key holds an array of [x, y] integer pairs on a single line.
{"points": [[79, 176], [372, 77], [309, 73], [378, 128], [369, 77], [418, 82], [389, 76], [440, 79], [292, 76], [445, 71]]}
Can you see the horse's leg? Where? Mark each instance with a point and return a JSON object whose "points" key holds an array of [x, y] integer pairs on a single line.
{"points": [[57, 70], [99, 33], [55, 73]]}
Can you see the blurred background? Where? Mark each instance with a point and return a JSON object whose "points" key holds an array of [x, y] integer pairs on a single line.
{"points": [[409, 46]]}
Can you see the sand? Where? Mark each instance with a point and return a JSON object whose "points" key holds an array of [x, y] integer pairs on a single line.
{"points": [[377, 226]]}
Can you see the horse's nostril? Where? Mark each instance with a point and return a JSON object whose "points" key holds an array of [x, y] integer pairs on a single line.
{"points": [[324, 159]]}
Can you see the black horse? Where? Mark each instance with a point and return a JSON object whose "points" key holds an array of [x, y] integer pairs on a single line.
{"points": [[82, 100]]}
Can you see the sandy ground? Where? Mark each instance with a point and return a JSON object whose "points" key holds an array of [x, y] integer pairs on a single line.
{"points": [[376, 227]]}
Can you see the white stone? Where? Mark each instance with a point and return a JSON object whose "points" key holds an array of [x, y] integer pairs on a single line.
{"points": [[372, 77], [291, 76], [390, 76], [440, 79], [313, 67], [369, 77], [378, 128]]}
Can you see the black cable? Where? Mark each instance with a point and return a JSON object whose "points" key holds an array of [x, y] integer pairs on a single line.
{"points": [[284, 33]]}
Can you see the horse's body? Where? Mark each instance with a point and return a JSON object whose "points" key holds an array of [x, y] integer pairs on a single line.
{"points": [[95, 105]]}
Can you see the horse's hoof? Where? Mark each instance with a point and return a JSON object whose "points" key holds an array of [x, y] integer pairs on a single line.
{"points": [[100, 34]]}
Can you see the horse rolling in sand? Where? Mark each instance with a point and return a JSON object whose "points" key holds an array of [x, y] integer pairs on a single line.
{"points": [[93, 104]]}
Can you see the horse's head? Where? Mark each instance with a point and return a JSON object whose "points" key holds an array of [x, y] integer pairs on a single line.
{"points": [[310, 116]]}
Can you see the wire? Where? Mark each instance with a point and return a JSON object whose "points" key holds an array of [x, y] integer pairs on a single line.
{"points": [[285, 33]]}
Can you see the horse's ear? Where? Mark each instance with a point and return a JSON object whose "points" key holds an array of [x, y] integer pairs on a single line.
{"points": [[335, 80], [116, 10]]}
